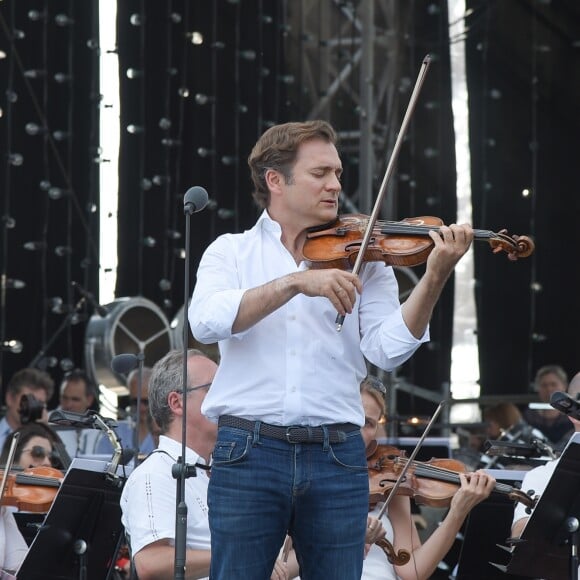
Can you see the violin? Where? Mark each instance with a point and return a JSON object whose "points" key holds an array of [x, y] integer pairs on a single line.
{"points": [[432, 483], [403, 243], [33, 489]]}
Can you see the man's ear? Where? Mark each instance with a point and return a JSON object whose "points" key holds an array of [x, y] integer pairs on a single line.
{"points": [[175, 402], [11, 398], [273, 180]]}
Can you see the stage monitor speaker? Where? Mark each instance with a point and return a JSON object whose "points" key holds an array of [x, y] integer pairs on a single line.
{"points": [[132, 326]]}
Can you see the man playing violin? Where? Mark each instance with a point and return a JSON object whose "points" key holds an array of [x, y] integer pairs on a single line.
{"points": [[289, 453]]}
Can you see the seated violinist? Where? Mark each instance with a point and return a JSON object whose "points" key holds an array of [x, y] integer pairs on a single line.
{"points": [[36, 447], [401, 531]]}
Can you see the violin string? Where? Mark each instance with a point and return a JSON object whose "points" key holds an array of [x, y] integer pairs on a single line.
{"points": [[395, 227], [448, 475]]}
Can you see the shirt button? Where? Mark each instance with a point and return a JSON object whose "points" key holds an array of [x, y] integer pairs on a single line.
{"points": [[292, 389]]}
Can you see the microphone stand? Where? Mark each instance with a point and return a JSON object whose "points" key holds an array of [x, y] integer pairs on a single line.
{"points": [[137, 427], [63, 325], [181, 470]]}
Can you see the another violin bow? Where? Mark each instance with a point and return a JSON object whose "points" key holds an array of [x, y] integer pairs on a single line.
{"points": [[9, 462], [399, 141], [410, 461]]}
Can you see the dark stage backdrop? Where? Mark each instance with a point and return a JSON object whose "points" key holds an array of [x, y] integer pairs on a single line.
{"points": [[49, 129], [523, 67]]}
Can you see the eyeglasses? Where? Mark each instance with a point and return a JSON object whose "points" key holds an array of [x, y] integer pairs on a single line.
{"points": [[375, 384], [39, 452], [191, 389]]}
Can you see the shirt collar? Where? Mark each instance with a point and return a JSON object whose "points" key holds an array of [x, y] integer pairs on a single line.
{"points": [[268, 224], [174, 449]]}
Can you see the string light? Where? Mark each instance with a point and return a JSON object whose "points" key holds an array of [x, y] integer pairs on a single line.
{"points": [[12, 345]]}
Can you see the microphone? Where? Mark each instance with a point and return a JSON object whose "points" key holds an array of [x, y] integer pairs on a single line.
{"points": [[124, 363], [566, 404], [100, 310], [195, 199]]}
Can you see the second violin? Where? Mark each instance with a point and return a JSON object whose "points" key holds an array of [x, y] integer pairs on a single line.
{"points": [[432, 483]]}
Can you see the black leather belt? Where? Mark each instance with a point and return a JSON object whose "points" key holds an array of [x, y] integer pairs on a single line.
{"points": [[294, 433]]}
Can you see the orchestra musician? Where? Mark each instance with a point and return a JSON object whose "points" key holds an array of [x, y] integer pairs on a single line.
{"points": [[550, 422], [398, 523], [148, 498], [26, 381], [35, 448], [538, 478], [289, 454]]}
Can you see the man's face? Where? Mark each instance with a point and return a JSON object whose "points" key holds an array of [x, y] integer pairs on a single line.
{"points": [[202, 371], [311, 197], [373, 415], [74, 397], [549, 383]]}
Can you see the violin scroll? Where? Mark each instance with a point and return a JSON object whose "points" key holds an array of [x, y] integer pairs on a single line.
{"points": [[515, 246], [399, 558]]}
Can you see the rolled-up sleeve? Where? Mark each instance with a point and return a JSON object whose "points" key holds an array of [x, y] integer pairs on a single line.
{"points": [[216, 298], [385, 339]]}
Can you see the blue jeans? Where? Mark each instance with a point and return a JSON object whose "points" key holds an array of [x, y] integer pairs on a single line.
{"points": [[262, 488]]}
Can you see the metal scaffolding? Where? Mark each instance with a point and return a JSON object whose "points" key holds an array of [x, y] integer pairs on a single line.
{"points": [[346, 56]]}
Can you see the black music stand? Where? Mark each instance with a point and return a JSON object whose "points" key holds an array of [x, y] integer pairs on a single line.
{"points": [[485, 530], [82, 531], [548, 547]]}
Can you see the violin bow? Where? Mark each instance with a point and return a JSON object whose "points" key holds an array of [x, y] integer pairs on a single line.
{"points": [[390, 167], [410, 461], [9, 462]]}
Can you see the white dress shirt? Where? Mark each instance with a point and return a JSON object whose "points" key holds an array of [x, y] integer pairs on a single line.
{"points": [[13, 548], [148, 500], [292, 367]]}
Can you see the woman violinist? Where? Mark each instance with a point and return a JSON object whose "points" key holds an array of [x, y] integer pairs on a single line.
{"points": [[400, 528], [36, 447], [397, 525], [33, 453]]}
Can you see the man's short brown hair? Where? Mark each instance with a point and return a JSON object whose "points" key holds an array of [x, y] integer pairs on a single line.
{"points": [[33, 378], [277, 148]]}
